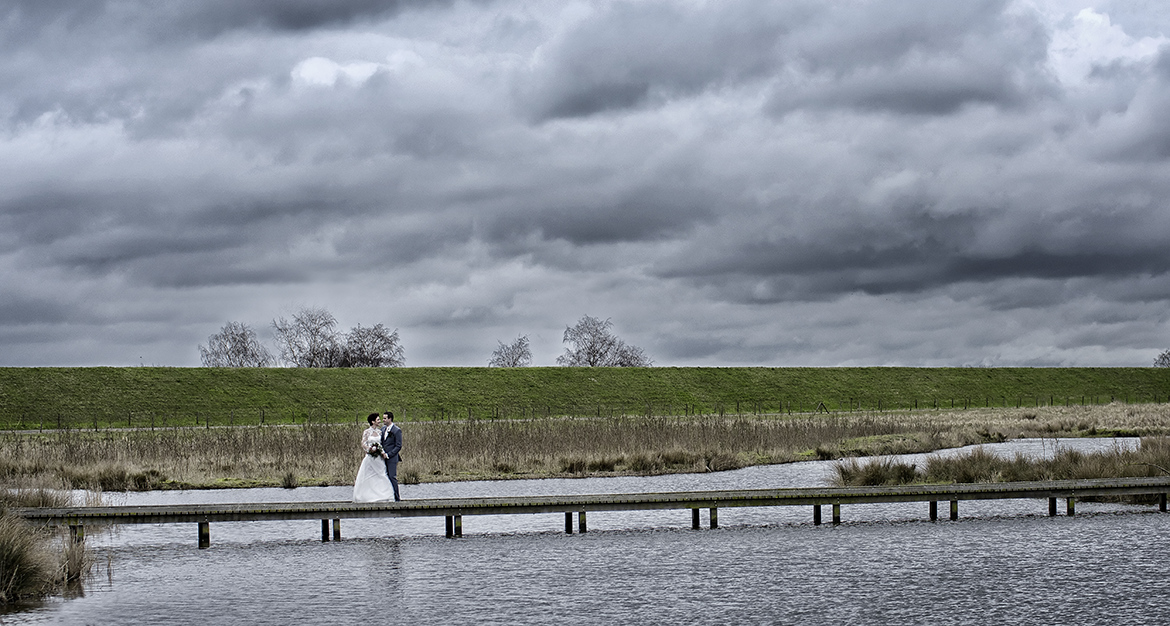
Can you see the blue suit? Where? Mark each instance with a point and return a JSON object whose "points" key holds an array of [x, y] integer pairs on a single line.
{"points": [[392, 444]]}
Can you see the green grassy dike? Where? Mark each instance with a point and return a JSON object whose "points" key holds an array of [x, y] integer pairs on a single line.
{"points": [[119, 396]]}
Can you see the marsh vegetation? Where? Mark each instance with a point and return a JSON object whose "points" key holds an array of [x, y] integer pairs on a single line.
{"points": [[36, 561], [1151, 458], [328, 454]]}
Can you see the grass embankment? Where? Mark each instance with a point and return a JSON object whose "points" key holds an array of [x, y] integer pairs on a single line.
{"points": [[36, 562], [480, 449], [102, 397]]}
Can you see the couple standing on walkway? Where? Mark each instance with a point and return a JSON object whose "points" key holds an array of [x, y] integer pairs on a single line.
{"points": [[377, 478]]}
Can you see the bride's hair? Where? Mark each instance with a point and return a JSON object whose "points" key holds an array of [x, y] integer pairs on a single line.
{"points": [[372, 418]]}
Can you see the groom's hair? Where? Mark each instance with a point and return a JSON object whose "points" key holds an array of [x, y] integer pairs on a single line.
{"points": [[372, 418]]}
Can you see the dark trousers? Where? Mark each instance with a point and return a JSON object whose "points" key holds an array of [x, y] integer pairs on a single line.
{"points": [[392, 472]]}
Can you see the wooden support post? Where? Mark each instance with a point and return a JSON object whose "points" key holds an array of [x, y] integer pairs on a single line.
{"points": [[1052, 507], [816, 515], [714, 517], [450, 526], [836, 514], [581, 522], [1162, 502], [954, 510], [77, 532], [695, 519], [568, 522], [934, 510], [325, 530], [204, 535], [336, 529], [458, 525], [1071, 506]]}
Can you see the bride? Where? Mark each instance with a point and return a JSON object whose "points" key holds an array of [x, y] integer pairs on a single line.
{"points": [[372, 484]]}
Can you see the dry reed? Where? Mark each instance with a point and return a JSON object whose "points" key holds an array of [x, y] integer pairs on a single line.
{"points": [[1152, 458], [35, 562], [436, 451]]}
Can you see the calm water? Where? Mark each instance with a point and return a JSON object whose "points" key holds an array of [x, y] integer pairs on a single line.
{"points": [[1002, 562]]}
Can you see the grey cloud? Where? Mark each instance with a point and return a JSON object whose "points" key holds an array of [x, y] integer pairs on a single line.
{"points": [[913, 57], [637, 52], [208, 17], [913, 251], [20, 310], [642, 215], [919, 58], [801, 183]]}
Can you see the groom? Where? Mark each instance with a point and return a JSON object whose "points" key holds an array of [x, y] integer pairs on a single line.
{"points": [[392, 444]]}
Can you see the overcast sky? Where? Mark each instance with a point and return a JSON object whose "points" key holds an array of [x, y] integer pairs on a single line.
{"points": [[731, 182]]}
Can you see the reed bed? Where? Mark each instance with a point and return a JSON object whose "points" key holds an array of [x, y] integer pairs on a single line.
{"points": [[35, 562], [1152, 458], [318, 454]]}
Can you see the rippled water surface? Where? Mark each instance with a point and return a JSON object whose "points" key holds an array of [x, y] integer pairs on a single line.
{"points": [[1002, 562]]}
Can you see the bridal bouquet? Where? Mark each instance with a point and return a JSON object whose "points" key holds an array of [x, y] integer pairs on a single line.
{"points": [[374, 448]]}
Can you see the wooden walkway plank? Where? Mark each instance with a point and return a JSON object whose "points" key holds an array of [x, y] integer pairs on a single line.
{"points": [[453, 509]]}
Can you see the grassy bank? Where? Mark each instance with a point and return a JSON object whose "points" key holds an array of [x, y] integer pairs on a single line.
{"points": [[104, 397], [319, 454]]}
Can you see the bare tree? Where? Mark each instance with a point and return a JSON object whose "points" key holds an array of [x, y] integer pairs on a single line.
{"points": [[372, 347], [593, 344], [1163, 360], [309, 339], [235, 345], [515, 354]]}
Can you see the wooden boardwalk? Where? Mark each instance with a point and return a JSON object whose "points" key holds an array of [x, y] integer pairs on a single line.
{"points": [[454, 509]]}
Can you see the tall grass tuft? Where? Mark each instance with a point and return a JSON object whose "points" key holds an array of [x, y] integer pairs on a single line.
{"points": [[30, 568], [874, 472], [27, 569]]}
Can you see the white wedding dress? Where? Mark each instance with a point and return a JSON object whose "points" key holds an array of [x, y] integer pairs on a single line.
{"points": [[372, 484]]}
